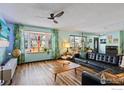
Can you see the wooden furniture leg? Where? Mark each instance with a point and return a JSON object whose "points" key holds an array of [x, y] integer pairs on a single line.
{"points": [[75, 71], [55, 76]]}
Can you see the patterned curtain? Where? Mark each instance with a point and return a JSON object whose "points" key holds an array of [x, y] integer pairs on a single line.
{"points": [[18, 43], [55, 44]]}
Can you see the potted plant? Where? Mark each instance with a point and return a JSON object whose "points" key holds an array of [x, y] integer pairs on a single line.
{"points": [[46, 50]]}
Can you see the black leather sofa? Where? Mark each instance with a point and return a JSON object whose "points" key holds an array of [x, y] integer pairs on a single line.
{"points": [[98, 62], [91, 79]]}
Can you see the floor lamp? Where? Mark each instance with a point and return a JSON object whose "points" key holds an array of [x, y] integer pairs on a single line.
{"points": [[3, 44]]}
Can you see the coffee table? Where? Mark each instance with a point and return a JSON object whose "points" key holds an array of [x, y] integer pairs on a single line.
{"points": [[65, 67]]}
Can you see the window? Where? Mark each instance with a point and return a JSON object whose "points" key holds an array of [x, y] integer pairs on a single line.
{"points": [[37, 41], [76, 42]]}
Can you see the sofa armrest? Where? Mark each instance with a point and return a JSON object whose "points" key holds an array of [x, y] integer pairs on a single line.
{"points": [[90, 79]]}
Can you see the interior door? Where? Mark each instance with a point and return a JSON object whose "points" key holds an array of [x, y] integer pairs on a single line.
{"points": [[96, 44]]}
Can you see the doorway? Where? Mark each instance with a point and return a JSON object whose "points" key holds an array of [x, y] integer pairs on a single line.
{"points": [[96, 44]]}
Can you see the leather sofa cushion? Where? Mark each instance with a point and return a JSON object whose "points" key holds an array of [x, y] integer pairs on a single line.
{"points": [[78, 60], [98, 57], [99, 64], [103, 58], [95, 63], [113, 60], [107, 59]]}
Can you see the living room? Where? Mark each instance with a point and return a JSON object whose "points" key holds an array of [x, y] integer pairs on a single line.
{"points": [[61, 44]]}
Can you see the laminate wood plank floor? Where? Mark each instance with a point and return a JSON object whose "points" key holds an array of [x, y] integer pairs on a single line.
{"points": [[40, 73]]}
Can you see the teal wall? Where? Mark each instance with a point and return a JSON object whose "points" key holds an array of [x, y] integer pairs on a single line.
{"points": [[37, 57]]}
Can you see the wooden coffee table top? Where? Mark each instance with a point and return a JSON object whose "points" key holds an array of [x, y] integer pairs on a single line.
{"points": [[62, 68]]}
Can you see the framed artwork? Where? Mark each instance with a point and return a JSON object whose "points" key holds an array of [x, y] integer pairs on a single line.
{"points": [[110, 39], [102, 41], [115, 40]]}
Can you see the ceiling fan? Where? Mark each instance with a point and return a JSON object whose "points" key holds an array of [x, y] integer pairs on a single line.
{"points": [[53, 16]]}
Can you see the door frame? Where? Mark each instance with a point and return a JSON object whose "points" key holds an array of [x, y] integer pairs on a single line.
{"points": [[96, 40]]}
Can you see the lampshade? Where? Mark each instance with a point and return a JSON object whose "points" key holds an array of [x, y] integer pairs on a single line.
{"points": [[4, 43], [66, 45]]}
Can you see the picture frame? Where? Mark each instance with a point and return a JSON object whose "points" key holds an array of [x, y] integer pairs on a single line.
{"points": [[102, 41], [115, 40]]}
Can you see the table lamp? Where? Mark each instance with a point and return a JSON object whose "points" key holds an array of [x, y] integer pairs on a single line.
{"points": [[66, 45], [3, 44]]}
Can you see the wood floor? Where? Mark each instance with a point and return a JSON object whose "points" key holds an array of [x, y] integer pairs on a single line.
{"points": [[40, 73]]}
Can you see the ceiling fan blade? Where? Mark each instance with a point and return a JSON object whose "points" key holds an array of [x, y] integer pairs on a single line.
{"points": [[51, 18], [56, 22], [40, 17], [59, 14]]}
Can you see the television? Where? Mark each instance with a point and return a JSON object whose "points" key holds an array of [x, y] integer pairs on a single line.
{"points": [[4, 30]]}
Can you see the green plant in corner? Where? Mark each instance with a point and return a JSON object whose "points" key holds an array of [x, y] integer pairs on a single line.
{"points": [[46, 50]]}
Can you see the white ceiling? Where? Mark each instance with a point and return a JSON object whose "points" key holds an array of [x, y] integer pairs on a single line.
{"points": [[97, 18]]}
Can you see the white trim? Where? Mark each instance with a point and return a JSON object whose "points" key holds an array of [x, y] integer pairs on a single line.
{"points": [[122, 63]]}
